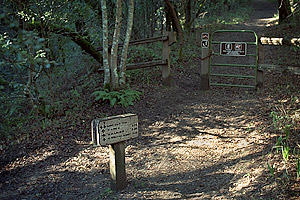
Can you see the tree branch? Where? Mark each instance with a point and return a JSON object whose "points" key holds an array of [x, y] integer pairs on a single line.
{"points": [[80, 40], [177, 24]]}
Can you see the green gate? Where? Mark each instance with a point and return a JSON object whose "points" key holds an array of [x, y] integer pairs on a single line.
{"points": [[233, 62]]}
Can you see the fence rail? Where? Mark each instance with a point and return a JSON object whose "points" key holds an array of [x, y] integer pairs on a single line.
{"points": [[277, 41], [168, 39]]}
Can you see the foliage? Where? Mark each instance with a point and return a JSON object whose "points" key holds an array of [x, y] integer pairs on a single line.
{"points": [[287, 126], [271, 169], [214, 14], [107, 193], [23, 56], [124, 97], [27, 49], [143, 53]]}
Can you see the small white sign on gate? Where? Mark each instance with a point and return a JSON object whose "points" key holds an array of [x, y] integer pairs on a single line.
{"points": [[233, 48]]}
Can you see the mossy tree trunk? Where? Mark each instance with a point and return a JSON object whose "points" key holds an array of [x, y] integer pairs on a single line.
{"points": [[122, 68], [105, 44], [115, 75], [114, 50]]}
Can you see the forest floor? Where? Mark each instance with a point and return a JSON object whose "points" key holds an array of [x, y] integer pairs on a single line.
{"points": [[192, 144]]}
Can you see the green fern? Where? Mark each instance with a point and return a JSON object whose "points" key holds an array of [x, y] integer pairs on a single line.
{"points": [[125, 97]]}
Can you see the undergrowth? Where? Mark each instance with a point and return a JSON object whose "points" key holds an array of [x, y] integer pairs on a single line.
{"points": [[124, 97], [283, 161], [238, 12]]}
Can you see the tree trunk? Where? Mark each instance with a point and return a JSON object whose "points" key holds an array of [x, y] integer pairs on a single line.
{"points": [[153, 20], [168, 19], [122, 80], [114, 50], [198, 13], [188, 17], [178, 27], [284, 9], [145, 18], [105, 44]]}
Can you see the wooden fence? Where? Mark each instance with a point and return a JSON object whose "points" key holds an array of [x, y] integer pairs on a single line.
{"points": [[168, 39], [277, 42]]}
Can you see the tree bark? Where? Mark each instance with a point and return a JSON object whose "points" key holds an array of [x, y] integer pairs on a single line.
{"points": [[105, 44], [284, 9], [188, 16], [198, 13], [114, 50], [122, 70], [178, 27], [168, 19]]}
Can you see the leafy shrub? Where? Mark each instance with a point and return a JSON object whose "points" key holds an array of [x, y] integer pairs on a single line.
{"points": [[124, 97]]}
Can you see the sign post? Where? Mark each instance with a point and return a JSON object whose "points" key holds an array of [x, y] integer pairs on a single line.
{"points": [[117, 166], [204, 72], [114, 131]]}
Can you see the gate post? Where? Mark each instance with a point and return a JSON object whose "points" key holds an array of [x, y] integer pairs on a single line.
{"points": [[204, 71], [260, 72]]}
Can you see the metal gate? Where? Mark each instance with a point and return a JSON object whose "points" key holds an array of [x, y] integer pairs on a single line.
{"points": [[233, 62]]}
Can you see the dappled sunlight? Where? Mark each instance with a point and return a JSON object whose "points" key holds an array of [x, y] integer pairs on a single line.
{"points": [[268, 21], [264, 22], [87, 160], [197, 170], [243, 181], [203, 145], [32, 158]]}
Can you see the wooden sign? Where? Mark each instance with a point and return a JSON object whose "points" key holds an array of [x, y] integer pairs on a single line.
{"points": [[233, 48], [114, 129]]}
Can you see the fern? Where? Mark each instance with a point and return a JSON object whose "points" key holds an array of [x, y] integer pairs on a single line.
{"points": [[125, 97]]}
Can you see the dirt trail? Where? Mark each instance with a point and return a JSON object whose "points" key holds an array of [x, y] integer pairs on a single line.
{"points": [[262, 16], [193, 145]]}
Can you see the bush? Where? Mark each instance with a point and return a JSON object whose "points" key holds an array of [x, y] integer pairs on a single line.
{"points": [[124, 97]]}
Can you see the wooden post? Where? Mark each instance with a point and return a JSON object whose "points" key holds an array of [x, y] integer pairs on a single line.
{"points": [[204, 72], [166, 69], [197, 36], [117, 166], [260, 78], [261, 60]]}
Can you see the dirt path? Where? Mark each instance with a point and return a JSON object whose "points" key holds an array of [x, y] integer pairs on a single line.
{"points": [[193, 145]]}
